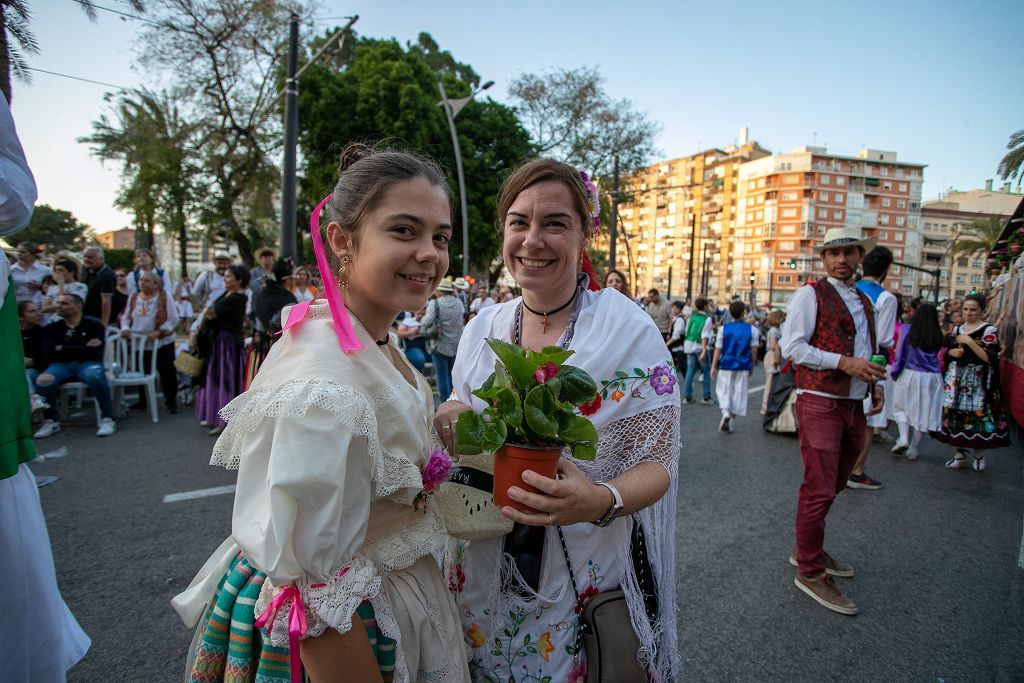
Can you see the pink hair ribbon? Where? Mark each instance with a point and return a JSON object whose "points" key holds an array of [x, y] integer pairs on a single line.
{"points": [[342, 324], [296, 625]]}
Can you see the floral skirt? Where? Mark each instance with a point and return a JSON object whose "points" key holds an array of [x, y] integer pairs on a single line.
{"points": [[229, 648], [973, 414]]}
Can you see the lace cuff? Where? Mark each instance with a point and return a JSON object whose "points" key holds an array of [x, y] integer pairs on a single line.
{"points": [[328, 604]]}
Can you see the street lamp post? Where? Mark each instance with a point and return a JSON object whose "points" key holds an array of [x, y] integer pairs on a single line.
{"points": [[451, 110]]}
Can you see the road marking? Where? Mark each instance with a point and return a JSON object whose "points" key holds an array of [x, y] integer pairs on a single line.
{"points": [[199, 493], [754, 390]]}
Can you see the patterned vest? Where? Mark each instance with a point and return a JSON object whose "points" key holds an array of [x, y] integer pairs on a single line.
{"points": [[834, 331]]}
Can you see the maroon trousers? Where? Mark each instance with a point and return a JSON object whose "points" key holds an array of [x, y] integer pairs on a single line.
{"points": [[832, 433]]}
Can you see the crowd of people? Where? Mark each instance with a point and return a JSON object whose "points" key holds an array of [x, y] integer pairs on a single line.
{"points": [[315, 380]]}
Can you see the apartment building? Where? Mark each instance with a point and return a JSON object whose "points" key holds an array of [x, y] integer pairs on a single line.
{"points": [[786, 202], [942, 221], [677, 219], [116, 239]]}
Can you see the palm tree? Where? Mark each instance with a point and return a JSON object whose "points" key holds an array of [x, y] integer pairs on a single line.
{"points": [[1010, 166], [978, 237], [16, 41]]}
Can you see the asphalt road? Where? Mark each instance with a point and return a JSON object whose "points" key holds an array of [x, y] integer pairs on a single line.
{"points": [[939, 582]]}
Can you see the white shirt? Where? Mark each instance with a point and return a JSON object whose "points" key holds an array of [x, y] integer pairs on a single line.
{"points": [[801, 314], [23, 276], [17, 186], [885, 318], [477, 304], [755, 336], [706, 333], [678, 328], [209, 285]]}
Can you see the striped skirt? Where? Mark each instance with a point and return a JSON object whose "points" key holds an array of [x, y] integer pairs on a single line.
{"points": [[227, 648]]}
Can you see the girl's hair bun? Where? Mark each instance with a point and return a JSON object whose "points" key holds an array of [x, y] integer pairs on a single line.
{"points": [[353, 152]]}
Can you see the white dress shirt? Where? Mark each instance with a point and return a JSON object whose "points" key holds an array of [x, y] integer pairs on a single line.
{"points": [[885, 319], [801, 314]]}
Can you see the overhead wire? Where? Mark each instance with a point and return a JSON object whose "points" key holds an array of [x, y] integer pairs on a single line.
{"points": [[79, 78]]}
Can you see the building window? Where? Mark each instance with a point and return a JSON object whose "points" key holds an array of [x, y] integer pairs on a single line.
{"points": [[840, 180], [887, 186], [898, 237], [884, 219], [789, 213], [751, 185], [785, 279], [961, 278], [824, 180], [885, 202], [975, 279], [975, 263], [903, 187], [789, 196], [884, 235], [839, 197], [959, 293], [791, 179], [837, 215], [899, 221], [897, 252], [823, 196], [822, 213], [821, 230], [884, 170], [760, 182], [901, 204]]}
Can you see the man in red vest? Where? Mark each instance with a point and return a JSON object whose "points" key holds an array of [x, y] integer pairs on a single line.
{"points": [[830, 336]]}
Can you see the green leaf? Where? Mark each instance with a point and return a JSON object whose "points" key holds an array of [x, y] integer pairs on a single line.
{"points": [[508, 405], [584, 451], [469, 433], [554, 385], [539, 409], [577, 386], [526, 640], [513, 358], [495, 433], [638, 371], [620, 373], [502, 377], [549, 354], [581, 435]]}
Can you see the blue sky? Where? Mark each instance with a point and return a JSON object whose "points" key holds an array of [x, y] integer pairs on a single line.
{"points": [[938, 82]]}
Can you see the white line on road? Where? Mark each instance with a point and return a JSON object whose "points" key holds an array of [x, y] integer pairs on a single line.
{"points": [[754, 390], [199, 493]]}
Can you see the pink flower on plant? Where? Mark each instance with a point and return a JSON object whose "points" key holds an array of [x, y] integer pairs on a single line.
{"points": [[545, 372]]}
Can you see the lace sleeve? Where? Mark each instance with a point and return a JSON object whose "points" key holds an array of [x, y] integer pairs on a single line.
{"points": [[650, 436]]}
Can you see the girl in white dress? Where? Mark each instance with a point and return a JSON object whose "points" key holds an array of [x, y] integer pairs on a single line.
{"points": [[331, 532]]}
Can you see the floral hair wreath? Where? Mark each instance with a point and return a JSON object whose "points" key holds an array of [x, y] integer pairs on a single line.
{"points": [[593, 202]]}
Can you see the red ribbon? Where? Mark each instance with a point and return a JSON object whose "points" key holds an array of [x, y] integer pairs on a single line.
{"points": [[296, 624]]}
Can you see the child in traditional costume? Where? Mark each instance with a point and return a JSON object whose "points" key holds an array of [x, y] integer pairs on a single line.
{"points": [[333, 534], [735, 354]]}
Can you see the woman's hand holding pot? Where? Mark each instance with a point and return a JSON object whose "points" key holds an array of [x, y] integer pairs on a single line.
{"points": [[569, 499], [444, 423]]}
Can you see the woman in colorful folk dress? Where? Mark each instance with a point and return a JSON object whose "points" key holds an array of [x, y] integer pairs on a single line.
{"points": [[220, 342], [973, 414], [333, 534], [518, 594]]}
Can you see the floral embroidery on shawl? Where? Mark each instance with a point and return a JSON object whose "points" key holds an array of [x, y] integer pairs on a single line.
{"points": [[661, 378]]}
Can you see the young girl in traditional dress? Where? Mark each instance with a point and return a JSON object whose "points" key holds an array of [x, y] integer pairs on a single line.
{"points": [[917, 393], [973, 414], [333, 536]]}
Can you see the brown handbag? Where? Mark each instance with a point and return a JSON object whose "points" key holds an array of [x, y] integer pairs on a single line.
{"points": [[606, 632]]}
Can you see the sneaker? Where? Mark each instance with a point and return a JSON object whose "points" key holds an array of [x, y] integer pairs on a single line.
{"points": [[48, 429], [900, 448], [216, 430], [732, 421], [687, 401], [204, 423], [979, 463], [864, 482], [958, 461], [39, 403], [107, 427], [724, 425], [708, 401], [912, 454], [882, 437], [832, 566], [822, 590]]}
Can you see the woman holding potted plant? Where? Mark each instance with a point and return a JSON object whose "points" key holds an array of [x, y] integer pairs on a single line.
{"points": [[333, 530], [607, 521]]}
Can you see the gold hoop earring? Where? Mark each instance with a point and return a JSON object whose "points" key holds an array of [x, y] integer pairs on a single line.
{"points": [[579, 263], [343, 272]]}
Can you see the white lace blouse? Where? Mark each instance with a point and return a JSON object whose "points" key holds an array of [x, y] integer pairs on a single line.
{"points": [[329, 449]]}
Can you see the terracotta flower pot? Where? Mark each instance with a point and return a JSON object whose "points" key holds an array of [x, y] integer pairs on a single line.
{"points": [[509, 464]]}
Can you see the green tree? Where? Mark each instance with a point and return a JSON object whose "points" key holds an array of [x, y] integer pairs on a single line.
{"points": [[1010, 166], [979, 237], [156, 147], [56, 228], [379, 90], [570, 117]]}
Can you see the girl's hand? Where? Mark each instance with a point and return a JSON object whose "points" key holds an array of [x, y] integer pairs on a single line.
{"points": [[570, 499], [955, 353], [444, 423], [964, 339]]}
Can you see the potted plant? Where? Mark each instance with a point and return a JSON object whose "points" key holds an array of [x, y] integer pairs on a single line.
{"points": [[536, 406]]}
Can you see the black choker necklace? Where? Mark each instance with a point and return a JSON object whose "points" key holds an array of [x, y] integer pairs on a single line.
{"points": [[544, 322], [383, 342]]}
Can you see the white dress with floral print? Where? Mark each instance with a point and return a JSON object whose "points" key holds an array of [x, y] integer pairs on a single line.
{"points": [[524, 635]]}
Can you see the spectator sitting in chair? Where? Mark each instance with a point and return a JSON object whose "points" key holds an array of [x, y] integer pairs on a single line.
{"points": [[73, 348], [150, 311]]}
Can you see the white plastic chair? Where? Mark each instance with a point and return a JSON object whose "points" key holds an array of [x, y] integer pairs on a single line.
{"points": [[79, 389], [130, 370]]}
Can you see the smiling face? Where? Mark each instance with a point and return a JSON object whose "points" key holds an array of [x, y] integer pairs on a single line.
{"points": [[841, 262], [543, 238], [399, 251]]}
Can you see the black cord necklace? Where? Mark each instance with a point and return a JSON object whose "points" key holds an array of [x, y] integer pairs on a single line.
{"points": [[544, 322], [382, 342]]}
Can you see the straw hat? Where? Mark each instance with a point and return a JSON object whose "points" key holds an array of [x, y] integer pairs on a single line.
{"points": [[465, 500], [446, 285], [461, 284], [266, 250], [846, 237]]}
